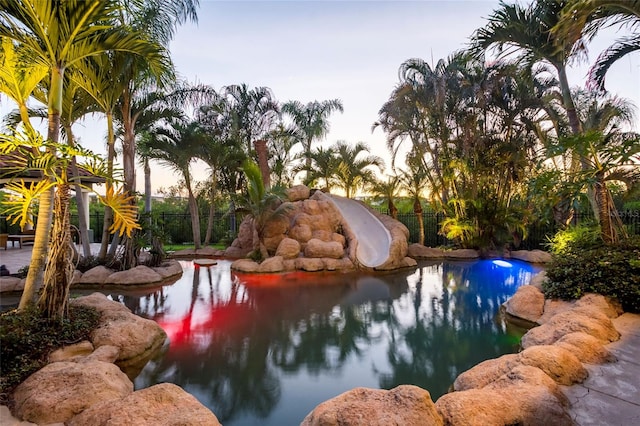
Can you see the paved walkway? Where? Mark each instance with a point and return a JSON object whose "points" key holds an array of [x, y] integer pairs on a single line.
{"points": [[610, 396]]}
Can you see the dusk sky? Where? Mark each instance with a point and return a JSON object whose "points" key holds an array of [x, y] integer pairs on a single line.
{"points": [[306, 50]]}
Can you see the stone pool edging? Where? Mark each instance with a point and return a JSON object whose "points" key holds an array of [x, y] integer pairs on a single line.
{"points": [[90, 382], [522, 388], [139, 277]]}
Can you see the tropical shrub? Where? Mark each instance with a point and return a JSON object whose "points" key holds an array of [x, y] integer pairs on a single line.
{"points": [[574, 238], [27, 338], [610, 270]]}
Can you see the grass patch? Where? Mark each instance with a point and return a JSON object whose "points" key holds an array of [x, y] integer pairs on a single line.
{"points": [[176, 247], [27, 339]]}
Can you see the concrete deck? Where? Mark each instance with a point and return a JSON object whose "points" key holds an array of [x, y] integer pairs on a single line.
{"points": [[610, 396]]}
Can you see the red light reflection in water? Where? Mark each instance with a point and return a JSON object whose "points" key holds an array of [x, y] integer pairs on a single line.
{"points": [[250, 296]]}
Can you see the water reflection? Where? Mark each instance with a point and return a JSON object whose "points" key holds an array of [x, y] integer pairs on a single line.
{"points": [[268, 355]]}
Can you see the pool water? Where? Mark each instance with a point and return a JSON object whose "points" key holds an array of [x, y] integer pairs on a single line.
{"points": [[266, 353]]}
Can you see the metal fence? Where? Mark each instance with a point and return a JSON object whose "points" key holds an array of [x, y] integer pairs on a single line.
{"points": [[177, 227]]}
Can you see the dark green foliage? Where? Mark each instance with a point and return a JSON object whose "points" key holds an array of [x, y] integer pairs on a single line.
{"points": [[610, 270], [27, 338]]}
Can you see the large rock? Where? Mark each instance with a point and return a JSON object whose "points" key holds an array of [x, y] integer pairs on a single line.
{"points": [[298, 192], [309, 265], [608, 306], [245, 265], [272, 264], [531, 256], [461, 254], [344, 264], [523, 396], [552, 307], [288, 248], [319, 248], [60, 390], [170, 269], [588, 320], [97, 275], [586, 348], [558, 363], [137, 338], [139, 275], [527, 303], [159, 405], [71, 352], [8, 284], [486, 372], [404, 405], [418, 251], [301, 232]]}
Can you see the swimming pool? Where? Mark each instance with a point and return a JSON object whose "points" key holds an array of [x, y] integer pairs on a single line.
{"points": [[267, 351]]}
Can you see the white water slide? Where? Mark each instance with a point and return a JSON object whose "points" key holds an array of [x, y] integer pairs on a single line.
{"points": [[374, 239]]}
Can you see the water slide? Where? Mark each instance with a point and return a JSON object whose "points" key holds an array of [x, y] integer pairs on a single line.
{"points": [[374, 239]]}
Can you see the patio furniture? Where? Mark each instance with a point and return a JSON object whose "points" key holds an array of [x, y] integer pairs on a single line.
{"points": [[25, 237]]}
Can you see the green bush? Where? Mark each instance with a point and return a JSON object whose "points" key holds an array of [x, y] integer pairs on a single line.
{"points": [[26, 339], [610, 270], [580, 237]]}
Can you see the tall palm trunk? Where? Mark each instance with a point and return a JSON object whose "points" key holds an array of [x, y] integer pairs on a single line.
{"points": [[130, 256], [82, 219], [108, 213], [55, 295], [195, 214], [212, 212], [417, 210], [599, 195]]}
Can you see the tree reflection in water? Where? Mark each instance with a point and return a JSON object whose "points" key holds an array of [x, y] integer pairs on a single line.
{"points": [[268, 355]]}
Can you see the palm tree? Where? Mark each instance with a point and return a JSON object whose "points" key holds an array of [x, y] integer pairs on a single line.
{"points": [[354, 172], [388, 190], [312, 121], [177, 147], [413, 181], [282, 141], [324, 167], [252, 112], [58, 35], [588, 16], [529, 31]]}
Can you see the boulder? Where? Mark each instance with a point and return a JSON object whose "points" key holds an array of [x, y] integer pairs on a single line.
{"points": [[531, 256], [461, 254], [301, 232], [97, 275], [163, 404], [298, 192], [236, 252], [607, 305], [139, 275], [76, 276], [523, 396], [309, 265], [245, 265], [137, 338], [170, 269], [585, 319], [344, 264], [318, 248], [538, 279], [404, 405], [8, 284], [311, 207], [272, 264], [586, 348], [418, 251], [322, 234], [60, 390], [106, 353], [486, 372], [339, 238], [71, 352], [288, 248], [553, 307], [558, 363], [527, 303]]}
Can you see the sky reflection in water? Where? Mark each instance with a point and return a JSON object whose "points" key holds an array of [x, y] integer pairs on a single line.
{"points": [[268, 354]]}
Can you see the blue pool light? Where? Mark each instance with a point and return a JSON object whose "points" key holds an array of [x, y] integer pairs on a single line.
{"points": [[502, 263]]}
